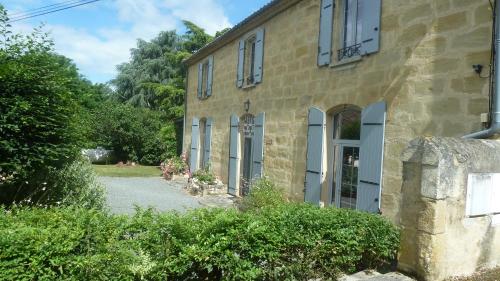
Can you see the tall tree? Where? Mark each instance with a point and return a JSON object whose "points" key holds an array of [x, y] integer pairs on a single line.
{"points": [[155, 76]]}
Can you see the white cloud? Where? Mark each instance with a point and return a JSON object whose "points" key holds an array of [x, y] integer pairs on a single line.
{"points": [[97, 52], [205, 13]]}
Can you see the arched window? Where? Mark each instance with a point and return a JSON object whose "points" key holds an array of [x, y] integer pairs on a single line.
{"points": [[345, 156]]}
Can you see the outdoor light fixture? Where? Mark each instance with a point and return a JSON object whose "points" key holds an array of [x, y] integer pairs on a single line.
{"points": [[478, 68], [247, 105]]}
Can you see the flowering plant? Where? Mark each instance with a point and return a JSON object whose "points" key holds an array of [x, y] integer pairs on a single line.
{"points": [[175, 166]]}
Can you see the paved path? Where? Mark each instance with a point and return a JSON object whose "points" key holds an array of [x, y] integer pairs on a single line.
{"points": [[124, 193]]}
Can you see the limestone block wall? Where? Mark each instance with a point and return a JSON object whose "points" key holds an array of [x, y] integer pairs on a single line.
{"points": [[423, 71], [438, 239]]}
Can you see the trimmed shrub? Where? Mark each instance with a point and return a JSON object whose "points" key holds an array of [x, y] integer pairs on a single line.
{"points": [[64, 244], [282, 242]]}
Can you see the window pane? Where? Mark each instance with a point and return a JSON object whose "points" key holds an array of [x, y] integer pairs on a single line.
{"points": [[350, 20], [359, 24], [349, 178], [347, 125], [205, 78]]}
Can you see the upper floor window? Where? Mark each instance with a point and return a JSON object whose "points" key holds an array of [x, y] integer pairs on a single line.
{"points": [[348, 32], [205, 78], [250, 59]]}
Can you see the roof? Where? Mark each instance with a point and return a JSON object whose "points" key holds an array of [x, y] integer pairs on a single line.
{"points": [[260, 16]]}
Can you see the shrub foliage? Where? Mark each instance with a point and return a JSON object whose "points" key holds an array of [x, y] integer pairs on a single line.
{"points": [[283, 242], [134, 134]]}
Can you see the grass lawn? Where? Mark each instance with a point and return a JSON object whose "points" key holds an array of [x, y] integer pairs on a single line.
{"points": [[127, 171]]}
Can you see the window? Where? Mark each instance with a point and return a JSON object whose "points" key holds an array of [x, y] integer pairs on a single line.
{"points": [[202, 128], [250, 59], [201, 142], [205, 77], [354, 155], [349, 29], [249, 65]]}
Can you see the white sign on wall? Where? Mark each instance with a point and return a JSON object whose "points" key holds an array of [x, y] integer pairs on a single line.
{"points": [[483, 194]]}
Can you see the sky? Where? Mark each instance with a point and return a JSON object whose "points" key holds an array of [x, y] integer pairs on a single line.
{"points": [[99, 36]]}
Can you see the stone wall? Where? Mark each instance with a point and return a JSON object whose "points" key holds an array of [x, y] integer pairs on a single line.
{"points": [[438, 239], [423, 71]]}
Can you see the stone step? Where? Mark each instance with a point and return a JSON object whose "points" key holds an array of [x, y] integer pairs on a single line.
{"points": [[371, 275], [392, 276], [362, 275]]}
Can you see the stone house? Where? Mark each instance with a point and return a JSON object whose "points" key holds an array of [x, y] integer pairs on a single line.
{"points": [[313, 91], [323, 96]]}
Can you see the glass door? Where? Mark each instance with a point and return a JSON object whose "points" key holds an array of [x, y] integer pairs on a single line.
{"points": [[247, 167], [348, 183]]}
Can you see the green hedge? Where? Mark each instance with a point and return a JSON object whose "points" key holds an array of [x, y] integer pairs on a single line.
{"points": [[288, 241]]}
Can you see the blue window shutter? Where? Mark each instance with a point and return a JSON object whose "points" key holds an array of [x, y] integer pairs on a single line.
{"points": [[207, 146], [233, 155], [325, 32], [210, 75], [195, 139], [314, 160], [259, 56], [241, 64], [200, 80], [371, 157], [370, 12], [258, 145]]}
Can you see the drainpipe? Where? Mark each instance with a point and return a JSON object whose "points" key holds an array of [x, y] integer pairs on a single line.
{"points": [[495, 113]]}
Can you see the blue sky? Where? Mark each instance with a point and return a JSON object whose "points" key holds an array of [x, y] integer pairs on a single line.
{"points": [[99, 36]]}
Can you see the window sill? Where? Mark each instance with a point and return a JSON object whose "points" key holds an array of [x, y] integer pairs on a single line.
{"points": [[249, 86], [204, 98], [346, 62]]}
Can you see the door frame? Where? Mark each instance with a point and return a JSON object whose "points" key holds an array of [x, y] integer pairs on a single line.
{"points": [[336, 168]]}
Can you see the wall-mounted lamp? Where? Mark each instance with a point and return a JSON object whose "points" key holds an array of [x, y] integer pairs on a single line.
{"points": [[247, 105], [478, 68]]}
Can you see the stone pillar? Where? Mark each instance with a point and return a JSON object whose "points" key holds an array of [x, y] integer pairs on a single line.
{"points": [[438, 239]]}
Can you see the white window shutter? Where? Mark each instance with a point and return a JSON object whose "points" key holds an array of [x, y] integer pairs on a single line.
{"points": [[210, 75], [200, 80], [241, 64], [258, 145], [195, 139], [207, 146], [371, 157], [325, 32], [259, 56], [370, 13], [233, 155], [314, 160]]}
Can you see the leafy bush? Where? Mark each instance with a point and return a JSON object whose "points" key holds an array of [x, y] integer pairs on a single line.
{"points": [[39, 124], [64, 244], [283, 242], [263, 192], [205, 176], [76, 185], [134, 133], [174, 166]]}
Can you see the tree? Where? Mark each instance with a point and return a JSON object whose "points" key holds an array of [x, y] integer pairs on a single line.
{"points": [[40, 97], [155, 76], [195, 37]]}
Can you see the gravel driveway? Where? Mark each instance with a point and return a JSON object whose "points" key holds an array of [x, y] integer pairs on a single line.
{"points": [[124, 193]]}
